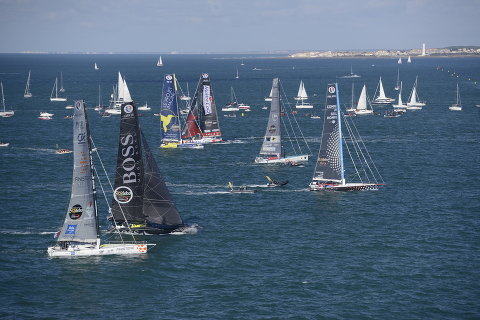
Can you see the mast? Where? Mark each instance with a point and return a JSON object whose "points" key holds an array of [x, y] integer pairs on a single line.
{"points": [[329, 165]]}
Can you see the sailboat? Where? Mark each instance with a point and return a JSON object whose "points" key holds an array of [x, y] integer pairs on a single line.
{"points": [[272, 148], [4, 113], [170, 119], [400, 106], [99, 106], [269, 98], [397, 86], [55, 89], [96, 68], [233, 104], [382, 98], [142, 203], [27, 93], [351, 75], [120, 95], [458, 105], [329, 171], [399, 60], [301, 96], [362, 106], [409, 60], [202, 124], [62, 89], [80, 233], [187, 96], [237, 74], [413, 100], [159, 63]]}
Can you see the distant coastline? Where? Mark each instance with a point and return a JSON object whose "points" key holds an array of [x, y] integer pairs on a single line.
{"points": [[448, 52]]}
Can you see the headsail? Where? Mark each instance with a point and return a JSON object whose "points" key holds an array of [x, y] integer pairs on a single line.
{"points": [[81, 221], [158, 206], [128, 188], [329, 165]]}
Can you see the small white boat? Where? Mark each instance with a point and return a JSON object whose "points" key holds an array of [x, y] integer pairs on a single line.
{"points": [[414, 102], [301, 97], [4, 144], [4, 113], [45, 114], [69, 107], [96, 68], [159, 63], [55, 89], [242, 189], [457, 106], [145, 107]]}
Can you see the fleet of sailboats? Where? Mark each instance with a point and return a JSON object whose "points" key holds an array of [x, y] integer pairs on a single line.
{"points": [[55, 89], [171, 136], [80, 233], [457, 106], [329, 171], [272, 147], [27, 93]]}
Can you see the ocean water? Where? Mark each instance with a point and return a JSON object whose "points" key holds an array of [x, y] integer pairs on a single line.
{"points": [[407, 251]]}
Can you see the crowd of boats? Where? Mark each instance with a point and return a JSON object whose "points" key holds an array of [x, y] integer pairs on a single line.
{"points": [[142, 203]]}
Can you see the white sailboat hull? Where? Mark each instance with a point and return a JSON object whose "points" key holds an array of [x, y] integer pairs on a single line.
{"points": [[363, 111], [93, 250], [113, 111], [58, 99], [300, 158], [6, 114]]}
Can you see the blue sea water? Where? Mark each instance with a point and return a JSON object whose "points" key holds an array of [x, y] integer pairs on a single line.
{"points": [[407, 251]]}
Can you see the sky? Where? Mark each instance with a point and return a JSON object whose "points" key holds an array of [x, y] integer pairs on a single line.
{"points": [[231, 26]]}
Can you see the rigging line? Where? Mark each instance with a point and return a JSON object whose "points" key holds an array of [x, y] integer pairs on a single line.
{"points": [[296, 122], [370, 160]]}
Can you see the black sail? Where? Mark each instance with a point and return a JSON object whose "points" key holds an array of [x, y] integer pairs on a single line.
{"points": [[128, 188], [209, 123], [158, 206]]}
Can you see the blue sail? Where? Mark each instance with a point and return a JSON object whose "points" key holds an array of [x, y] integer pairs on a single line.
{"points": [[170, 121]]}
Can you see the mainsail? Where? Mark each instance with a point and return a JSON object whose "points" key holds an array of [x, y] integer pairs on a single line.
{"points": [[202, 121], [272, 142], [329, 165], [141, 201], [81, 221], [170, 128], [128, 187]]}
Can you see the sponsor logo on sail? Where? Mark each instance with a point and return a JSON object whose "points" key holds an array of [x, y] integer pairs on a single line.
{"points": [[71, 229], [331, 89], [207, 100], [123, 194], [128, 108], [76, 212], [78, 105]]}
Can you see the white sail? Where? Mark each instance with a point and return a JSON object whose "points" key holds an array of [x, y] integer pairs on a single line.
{"points": [[302, 93], [382, 98], [96, 68], [160, 62]]}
